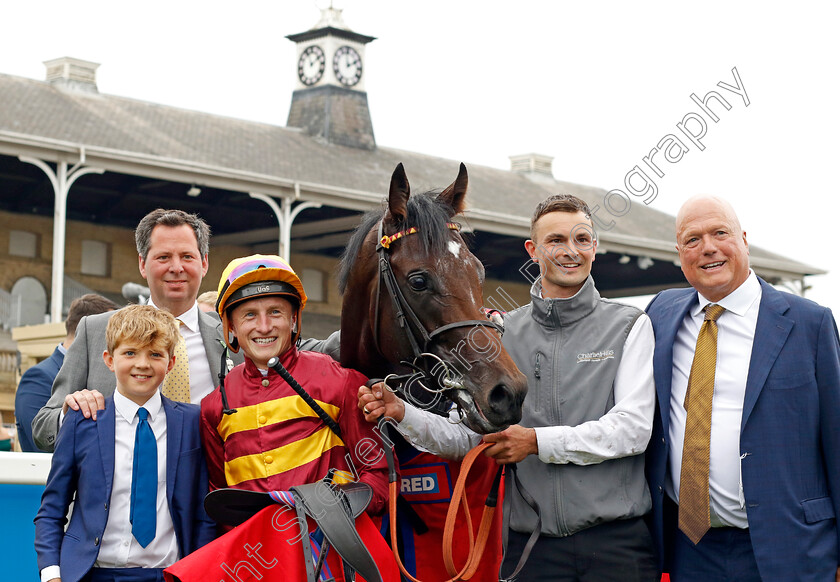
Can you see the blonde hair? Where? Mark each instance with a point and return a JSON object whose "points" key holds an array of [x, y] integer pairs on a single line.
{"points": [[208, 297], [143, 324]]}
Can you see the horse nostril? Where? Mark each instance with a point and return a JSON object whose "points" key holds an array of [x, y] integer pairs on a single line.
{"points": [[501, 398]]}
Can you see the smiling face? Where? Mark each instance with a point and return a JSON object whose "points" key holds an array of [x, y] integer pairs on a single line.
{"points": [[173, 267], [713, 249], [564, 246], [263, 327], [139, 369]]}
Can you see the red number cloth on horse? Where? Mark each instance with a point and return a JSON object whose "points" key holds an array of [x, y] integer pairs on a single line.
{"points": [[268, 547], [427, 482]]}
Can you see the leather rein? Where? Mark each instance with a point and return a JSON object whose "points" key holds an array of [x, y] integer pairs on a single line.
{"points": [[419, 338], [460, 501]]}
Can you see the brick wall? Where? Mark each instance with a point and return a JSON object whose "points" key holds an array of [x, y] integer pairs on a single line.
{"points": [[123, 261], [123, 268]]}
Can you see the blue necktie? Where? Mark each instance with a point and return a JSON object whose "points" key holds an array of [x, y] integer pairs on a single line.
{"points": [[143, 513]]}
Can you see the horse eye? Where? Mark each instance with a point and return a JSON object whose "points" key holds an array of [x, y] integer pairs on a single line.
{"points": [[418, 282]]}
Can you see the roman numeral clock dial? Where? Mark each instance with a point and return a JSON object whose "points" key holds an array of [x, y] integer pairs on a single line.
{"points": [[311, 65], [347, 66]]}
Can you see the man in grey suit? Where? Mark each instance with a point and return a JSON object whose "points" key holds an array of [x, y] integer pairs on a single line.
{"points": [[172, 248]]}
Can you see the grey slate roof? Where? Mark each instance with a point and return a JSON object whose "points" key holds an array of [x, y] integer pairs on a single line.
{"points": [[117, 129]]}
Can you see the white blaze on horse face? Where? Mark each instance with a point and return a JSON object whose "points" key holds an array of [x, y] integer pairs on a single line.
{"points": [[455, 248]]}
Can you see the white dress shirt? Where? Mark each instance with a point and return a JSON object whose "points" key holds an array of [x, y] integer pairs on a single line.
{"points": [[118, 548], [202, 382], [623, 431], [736, 330]]}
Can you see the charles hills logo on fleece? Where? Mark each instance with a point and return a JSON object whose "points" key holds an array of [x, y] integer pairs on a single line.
{"points": [[595, 356]]}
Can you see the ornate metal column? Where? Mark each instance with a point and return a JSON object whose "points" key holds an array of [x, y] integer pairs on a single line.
{"points": [[285, 217], [61, 179]]}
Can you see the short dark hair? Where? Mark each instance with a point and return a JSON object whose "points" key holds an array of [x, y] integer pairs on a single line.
{"points": [[559, 203], [164, 217], [89, 304]]}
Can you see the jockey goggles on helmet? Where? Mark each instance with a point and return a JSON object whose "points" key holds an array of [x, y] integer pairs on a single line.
{"points": [[258, 276]]}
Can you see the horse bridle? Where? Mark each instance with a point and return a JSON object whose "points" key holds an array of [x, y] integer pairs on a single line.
{"points": [[420, 339], [409, 321]]}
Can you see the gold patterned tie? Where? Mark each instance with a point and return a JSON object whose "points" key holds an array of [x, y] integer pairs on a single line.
{"points": [[694, 518], [176, 385]]}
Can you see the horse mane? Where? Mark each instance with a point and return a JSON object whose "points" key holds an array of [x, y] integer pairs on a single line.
{"points": [[424, 211]]}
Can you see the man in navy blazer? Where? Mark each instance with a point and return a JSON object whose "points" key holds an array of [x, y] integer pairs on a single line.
{"points": [[775, 436], [35, 385], [32, 393]]}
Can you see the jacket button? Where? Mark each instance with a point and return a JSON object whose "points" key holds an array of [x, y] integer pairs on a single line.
{"points": [[262, 419], [106, 505], [96, 541], [269, 459], [265, 383], [663, 440]]}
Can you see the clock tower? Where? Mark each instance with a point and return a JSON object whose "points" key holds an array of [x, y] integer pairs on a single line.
{"points": [[329, 101]]}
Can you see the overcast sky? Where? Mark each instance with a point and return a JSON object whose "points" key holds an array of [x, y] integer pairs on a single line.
{"points": [[596, 85]]}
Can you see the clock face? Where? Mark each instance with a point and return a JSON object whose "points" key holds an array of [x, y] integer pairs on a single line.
{"points": [[311, 65], [347, 66]]}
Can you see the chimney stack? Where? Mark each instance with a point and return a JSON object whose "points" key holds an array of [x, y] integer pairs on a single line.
{"points": [[532, 164], [70, 73]]}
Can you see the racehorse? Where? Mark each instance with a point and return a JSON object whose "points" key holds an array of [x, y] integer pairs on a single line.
{"points": [[412, 314], [412, 301]]}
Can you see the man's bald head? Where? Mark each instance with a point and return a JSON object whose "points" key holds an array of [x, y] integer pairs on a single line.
{"points": [[708, 203], [713, 249]]}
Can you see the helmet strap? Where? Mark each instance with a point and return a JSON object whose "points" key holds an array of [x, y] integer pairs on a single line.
{"points": [[222, 373]]}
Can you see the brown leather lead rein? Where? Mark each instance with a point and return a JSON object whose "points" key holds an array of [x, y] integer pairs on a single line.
{"points": [[476, 545], [459, 494]]}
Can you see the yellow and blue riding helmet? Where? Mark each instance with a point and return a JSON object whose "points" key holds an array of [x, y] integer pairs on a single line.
{"points": [[258, 276]]}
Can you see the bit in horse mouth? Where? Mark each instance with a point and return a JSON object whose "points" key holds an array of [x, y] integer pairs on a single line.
{"points": [[471, 415]]}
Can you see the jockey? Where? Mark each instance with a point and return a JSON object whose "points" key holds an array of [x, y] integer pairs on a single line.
{"points": [[258, 433], [274, 440]]}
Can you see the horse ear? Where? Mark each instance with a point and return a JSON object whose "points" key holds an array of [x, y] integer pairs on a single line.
{"points": [[456, 193], [398, 194]]}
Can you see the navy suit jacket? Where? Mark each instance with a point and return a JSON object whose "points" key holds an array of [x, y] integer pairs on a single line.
{"points": [[33, 391], [83, 464], [790, 433]]}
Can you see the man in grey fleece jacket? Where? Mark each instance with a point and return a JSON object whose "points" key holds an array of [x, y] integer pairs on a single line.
{"points": [[586, 419]]}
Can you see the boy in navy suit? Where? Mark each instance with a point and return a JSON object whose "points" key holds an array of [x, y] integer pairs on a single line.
{"points": [[138, 473]]}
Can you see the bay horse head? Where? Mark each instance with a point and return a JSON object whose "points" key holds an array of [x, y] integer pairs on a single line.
{"points": [[412, 309]]}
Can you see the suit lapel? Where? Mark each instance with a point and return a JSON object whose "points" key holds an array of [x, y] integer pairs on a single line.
{"points": [[208, 327], [671, 318], [105, 432], [771, 333], [174, 428]]}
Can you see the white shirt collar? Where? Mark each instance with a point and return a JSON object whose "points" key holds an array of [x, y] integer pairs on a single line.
{"points": [[737, 302], [189, 318], [128, 409]]}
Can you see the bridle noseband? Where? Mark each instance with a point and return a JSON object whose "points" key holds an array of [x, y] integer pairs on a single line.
{"points": [[420, 339]]}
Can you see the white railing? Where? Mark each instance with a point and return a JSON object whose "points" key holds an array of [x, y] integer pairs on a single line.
{"points": [[24, 468], [8, 364], [9, 310]]}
